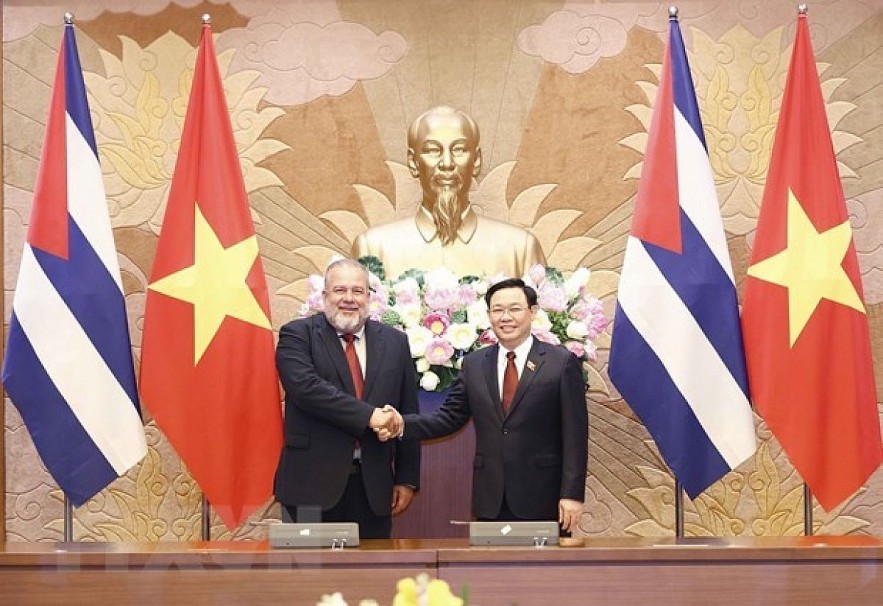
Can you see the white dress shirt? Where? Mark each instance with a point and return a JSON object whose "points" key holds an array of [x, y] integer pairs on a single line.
{"points": [[520, 360]]}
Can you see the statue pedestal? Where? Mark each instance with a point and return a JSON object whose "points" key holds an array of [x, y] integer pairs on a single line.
{"points": [[445, 483]]}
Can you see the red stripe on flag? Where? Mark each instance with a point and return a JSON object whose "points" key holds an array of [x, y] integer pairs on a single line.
{"points": [[48, 227], [657, 208]]}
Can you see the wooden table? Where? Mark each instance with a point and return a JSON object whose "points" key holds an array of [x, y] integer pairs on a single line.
{"points": [[806, 571], [238, 573], [648, 572]]}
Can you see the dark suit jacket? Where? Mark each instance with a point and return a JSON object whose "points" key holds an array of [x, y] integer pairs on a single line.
{"points": [[538, 453], [323, 419]]}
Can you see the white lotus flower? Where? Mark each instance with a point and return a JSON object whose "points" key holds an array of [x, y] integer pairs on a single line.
{"points": [[429, 381], [461, 336], [419, 338]]}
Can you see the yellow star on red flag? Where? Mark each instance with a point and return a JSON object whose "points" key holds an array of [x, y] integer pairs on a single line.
{"points": [[810, 267], [215, 284]]}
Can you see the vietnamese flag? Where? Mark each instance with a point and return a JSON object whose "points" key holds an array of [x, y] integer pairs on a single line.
{"points": [[804, 321], [208, 373]]}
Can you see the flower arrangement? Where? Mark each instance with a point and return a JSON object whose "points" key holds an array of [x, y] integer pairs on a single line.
{"points": [[445, 315], [419, 591]]}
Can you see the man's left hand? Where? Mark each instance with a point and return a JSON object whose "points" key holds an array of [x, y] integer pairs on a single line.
{"points": [[401, 498], [569, 512]]}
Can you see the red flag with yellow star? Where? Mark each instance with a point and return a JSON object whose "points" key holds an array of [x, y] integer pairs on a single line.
{"points": [[805, 326], [208, 372]]}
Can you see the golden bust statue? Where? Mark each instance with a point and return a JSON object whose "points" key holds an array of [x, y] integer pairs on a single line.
{"points": [[443, 153]]}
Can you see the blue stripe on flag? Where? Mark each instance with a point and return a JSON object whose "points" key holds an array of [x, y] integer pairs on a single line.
{"points": [[75, 90], [640, 377], [706, 290], [68, 452], [682, 82], [94, 298]]}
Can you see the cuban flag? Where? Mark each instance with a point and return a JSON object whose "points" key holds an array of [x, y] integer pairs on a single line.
{"points": [[676, 354], [68, 366]]}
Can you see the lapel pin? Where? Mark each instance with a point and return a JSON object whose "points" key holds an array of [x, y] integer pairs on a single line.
{"points": [[531, 366]]}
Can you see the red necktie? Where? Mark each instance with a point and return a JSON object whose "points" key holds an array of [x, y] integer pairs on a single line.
{"points": [[510, 381], [352, 360]]}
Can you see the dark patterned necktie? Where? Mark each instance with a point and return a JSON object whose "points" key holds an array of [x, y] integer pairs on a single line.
{"points": [[352, 360], [510, 381]]}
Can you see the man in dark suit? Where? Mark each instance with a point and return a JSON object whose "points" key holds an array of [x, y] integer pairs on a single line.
{"points": [[531, 422], [343, 375]]}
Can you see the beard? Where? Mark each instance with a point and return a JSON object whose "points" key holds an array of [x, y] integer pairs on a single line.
{"points": [[345, 323], [447, 213]]}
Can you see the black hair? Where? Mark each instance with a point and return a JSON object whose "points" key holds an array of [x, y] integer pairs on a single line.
{"points": [[529, 292]]}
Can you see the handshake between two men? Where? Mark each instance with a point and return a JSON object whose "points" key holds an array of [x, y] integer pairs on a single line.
{"points": [[387, 423]]}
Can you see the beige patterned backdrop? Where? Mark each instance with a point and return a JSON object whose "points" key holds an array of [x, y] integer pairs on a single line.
{"points": [[321, 93]]}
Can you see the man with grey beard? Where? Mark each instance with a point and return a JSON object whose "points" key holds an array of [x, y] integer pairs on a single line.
{"points": [[343, 375], [444, 153]]}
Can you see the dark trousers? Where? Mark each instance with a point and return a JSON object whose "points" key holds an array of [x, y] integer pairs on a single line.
{"points": [[353, 506]]}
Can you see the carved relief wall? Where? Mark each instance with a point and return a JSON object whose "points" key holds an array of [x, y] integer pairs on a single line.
{"points": [[321, 93]]}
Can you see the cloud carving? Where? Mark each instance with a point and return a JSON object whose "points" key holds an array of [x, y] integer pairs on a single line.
{"points": [[300, 62], [24, 16], [867, 234], [302, 51], [575, 42]]}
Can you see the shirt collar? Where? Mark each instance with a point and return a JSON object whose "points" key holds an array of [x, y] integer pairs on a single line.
{"points": [[521, 351], [427, 228], [360, 335]]}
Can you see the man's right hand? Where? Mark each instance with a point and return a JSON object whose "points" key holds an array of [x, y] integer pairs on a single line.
{"points": [[386, 422]]}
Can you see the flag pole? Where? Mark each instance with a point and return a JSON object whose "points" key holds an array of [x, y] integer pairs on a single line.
{"points": [[68, 506], [802, 9], [206, 519], [807, 493], [807, 510], [679, 509], [206, 506], [68, 511]]}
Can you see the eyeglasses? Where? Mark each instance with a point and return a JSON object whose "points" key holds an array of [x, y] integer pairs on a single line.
{"points": [[514, 311], [342, 291]]}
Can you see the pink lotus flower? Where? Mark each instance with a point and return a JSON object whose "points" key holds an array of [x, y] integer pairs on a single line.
{"points": [[467, 296], [315, 302], [487, 337], [436, 322], [552, 297], [441, 298], [439, 351], [377, 304], [407, 297], [537, 274], [581, 311], [597, 325], [547, 337], [576, 347]]}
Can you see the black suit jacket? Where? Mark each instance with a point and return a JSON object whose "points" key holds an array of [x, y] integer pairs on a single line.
{"points": [[535, 455], [323, 418]]}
